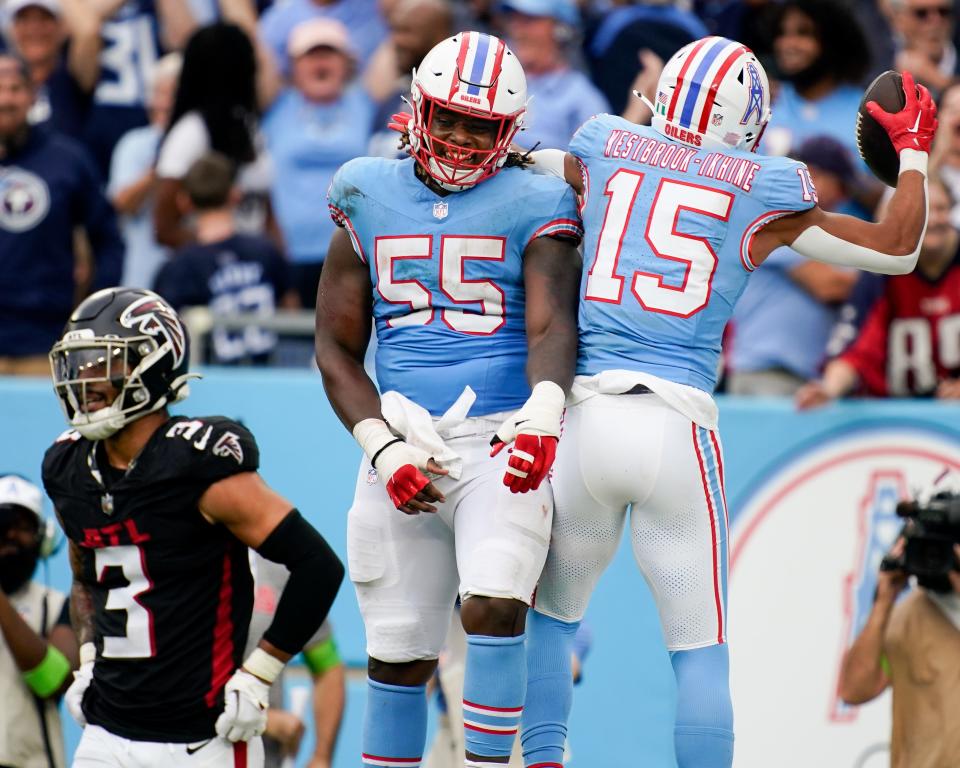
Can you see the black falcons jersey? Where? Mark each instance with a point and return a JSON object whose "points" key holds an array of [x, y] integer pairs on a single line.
{"points": [[172, 593]]}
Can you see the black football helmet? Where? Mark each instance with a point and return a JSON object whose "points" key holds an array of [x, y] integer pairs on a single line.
{"points": [[130, 338]]}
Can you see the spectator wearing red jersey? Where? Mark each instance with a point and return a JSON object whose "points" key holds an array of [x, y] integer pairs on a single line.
{"points": [[909, 345]]}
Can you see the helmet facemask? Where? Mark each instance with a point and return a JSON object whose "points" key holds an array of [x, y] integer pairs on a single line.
{"points": [[88, 369], [452, 166]]}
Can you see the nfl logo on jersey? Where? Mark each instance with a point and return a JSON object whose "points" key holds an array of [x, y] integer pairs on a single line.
{"points": [[440, 210]]}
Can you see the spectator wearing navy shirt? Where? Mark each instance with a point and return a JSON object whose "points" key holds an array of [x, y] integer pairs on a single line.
{"points": [[48, 187], [134, 35], [313, 128], [60, 41], [227, 271]]}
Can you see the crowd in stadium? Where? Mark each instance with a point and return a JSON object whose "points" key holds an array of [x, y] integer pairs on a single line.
{"points": [[111, 121]]}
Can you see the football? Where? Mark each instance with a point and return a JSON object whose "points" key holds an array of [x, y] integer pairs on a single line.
{"points": [[873, 143]]}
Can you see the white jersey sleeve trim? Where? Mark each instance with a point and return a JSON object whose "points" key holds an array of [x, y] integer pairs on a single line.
{"points": [[750, 232]]}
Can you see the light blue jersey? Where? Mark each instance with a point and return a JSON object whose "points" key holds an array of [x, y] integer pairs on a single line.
{"points": [[667, 249], [447, 274]]}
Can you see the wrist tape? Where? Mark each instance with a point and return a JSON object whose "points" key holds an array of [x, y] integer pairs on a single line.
{"points": [[262, 665], [913, 160]]}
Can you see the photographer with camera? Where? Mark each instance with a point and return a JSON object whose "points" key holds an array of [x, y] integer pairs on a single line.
{"points": [[38, 649], [913, 644]]}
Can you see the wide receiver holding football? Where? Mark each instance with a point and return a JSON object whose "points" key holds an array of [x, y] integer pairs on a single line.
{"points": [[160, 511], [469, 270], [677, 216]]}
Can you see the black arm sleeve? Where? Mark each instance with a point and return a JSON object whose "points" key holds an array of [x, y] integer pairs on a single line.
{"points": [[315, 576]]}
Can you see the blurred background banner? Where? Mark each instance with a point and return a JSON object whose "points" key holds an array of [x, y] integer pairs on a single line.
{"points": [[812, 499]]}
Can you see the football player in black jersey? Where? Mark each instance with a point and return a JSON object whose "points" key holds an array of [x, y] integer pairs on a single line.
{"points": [[160, 511]]}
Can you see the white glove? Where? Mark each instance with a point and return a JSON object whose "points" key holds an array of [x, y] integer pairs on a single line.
{"points": [[245, 707], [540, 415], [81, 681]]}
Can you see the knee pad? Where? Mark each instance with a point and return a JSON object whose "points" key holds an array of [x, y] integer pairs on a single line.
{"points": [[703, 733]]}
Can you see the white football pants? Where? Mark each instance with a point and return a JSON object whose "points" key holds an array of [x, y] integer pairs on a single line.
{"points": [[635, 451], [99, 748], [483, 540]]}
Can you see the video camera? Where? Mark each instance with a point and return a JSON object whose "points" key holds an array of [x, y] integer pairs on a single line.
{"points": [[931, 530]]}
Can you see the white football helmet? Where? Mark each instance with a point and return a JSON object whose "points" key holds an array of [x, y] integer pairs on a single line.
{"points": [[473, 74], [713, 92]]}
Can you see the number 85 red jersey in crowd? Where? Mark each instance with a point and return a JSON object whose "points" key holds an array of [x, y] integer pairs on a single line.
{"points": [[910, 340]]}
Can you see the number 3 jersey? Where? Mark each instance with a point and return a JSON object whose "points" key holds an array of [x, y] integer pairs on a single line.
{"points": [[172, 593], [447, 274], [666, 255]]}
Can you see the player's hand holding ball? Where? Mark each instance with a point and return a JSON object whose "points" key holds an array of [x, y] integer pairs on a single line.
{"points": [[534, 431], [895, 115], [81, 681], [245, 701]]}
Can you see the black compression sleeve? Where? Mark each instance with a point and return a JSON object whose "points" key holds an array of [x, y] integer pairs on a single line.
{"points": [[315, 576]]}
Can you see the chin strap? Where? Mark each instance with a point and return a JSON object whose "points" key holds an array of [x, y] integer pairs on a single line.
{"points": [[646, 101]]}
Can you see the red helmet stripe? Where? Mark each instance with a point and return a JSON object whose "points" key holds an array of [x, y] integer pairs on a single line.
{"points": [[495, 74], [683, 72], [461, 63], [712, 92]]}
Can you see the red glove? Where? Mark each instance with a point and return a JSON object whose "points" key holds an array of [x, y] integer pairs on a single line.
{"points": [[914, 125], [400, 121], [530, 460], [534, 431], [399, 465], [406, 483]]}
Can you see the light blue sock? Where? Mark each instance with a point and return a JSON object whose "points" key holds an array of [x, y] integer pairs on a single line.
{"points": [[494, 685], [549, 690], [703, 733], [394, 725]]}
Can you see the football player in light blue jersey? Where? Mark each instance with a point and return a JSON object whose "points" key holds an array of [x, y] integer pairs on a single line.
{"points": [[676, 217], [469, 270]]}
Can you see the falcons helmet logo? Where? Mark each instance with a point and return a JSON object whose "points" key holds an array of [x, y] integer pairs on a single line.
{"points": [[154, 317]]}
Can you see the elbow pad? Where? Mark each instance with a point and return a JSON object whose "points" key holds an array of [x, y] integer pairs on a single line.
{"points": [[549, 162], [315, 576]]}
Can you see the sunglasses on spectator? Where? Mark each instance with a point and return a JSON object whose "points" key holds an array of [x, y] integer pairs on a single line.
{"points": [[943, 11]]}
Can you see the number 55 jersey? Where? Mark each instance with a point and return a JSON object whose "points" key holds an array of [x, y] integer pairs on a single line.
{"points": [[670, 253], [447, 275]]}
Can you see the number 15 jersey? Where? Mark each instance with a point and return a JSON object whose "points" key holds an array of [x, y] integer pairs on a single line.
{"points": [[667, 250], [447, 275]]}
